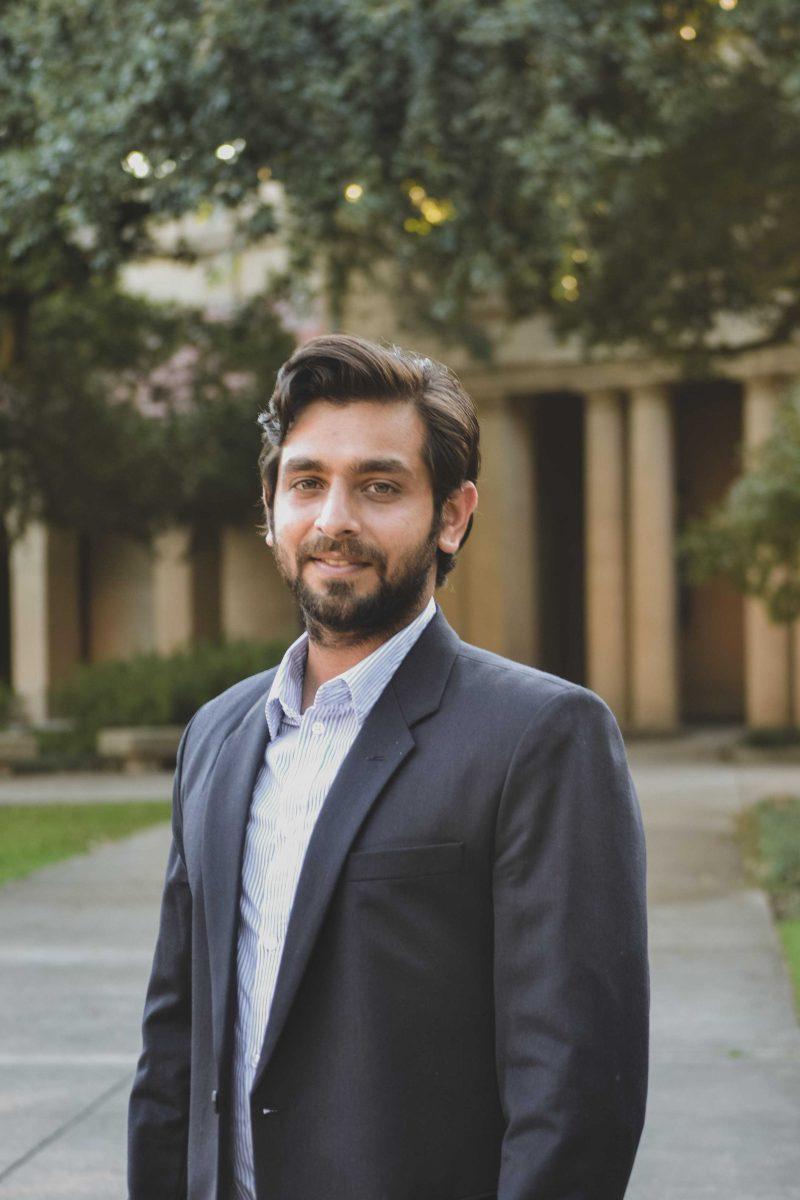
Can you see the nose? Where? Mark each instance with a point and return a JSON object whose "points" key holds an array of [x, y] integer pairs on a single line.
{"points": [[337, 517]]}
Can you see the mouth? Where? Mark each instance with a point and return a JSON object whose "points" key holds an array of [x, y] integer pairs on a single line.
{"points": [[335, 565]]}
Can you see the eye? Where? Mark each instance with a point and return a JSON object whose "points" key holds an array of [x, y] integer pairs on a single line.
{"points": [[305, 485], [380, 487]]}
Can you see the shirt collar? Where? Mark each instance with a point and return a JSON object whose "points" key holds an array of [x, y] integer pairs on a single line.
{"points": [[358, 687], [285, 695]]}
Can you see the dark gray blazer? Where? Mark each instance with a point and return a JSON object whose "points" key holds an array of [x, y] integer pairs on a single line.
{"points": [[461, 1007]]}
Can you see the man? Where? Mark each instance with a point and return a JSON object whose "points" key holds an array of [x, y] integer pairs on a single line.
{"points": [[402, 945]]}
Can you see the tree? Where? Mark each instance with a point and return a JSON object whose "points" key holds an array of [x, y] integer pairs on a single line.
{"points": [[129, 416], [77, 355], [631, 169], [753, 537]]}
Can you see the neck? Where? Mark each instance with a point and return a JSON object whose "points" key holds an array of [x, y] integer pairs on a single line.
{"points": [[331, 652]]}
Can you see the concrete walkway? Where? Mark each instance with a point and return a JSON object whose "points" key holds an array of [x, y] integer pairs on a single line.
{"points": [[724, 1106], [83, 787], [724, 1112]]}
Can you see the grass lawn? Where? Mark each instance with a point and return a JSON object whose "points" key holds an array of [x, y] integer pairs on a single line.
{"points": [[771, 839], [790, 936], [33, 835]]}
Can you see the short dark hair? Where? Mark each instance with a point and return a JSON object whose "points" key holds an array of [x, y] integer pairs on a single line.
{"points": [[341, 368]]}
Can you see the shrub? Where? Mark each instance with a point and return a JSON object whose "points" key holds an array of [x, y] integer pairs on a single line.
{"points": [[772, 738], [771, 833], [152, 689]]}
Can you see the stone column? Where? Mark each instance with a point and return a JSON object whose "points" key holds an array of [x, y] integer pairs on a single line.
{"points": [[500, 552], [121, 574], [254, 601], [185, 588], [766, 645], [45, 629], [652, 593], [173, 615], [604, 499]]}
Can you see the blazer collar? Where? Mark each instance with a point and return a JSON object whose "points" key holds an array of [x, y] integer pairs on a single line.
{"points": [[421, 678], [384, 741]]}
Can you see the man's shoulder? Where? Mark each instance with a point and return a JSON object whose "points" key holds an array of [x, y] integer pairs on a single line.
{"points": [[504, 685], [507, 674]]}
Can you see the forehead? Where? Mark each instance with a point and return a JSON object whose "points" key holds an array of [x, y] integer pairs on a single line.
{"points": [[345, 432]]}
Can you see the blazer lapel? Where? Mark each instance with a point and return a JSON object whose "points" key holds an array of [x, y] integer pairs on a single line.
{"points": [[228, 794], [382, 744]]}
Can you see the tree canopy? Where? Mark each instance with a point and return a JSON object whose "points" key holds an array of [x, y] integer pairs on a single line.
{"points": [[633, 169]]}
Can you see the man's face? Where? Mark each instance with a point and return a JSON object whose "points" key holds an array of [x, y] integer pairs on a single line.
{"points": [[354, 533]]}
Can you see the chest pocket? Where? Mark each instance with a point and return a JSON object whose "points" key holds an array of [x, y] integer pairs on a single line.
{"points": [[403, 862]]}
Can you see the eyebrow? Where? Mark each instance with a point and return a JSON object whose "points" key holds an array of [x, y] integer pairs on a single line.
{"points": [[363, 466]]}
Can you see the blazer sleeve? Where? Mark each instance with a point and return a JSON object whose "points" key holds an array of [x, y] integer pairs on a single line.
{"points": [[571, 974], [158, 1113]]}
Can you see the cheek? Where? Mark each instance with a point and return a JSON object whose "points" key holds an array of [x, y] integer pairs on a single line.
{"points": [[406, 534], [417, 525], [289, 525], [393, 535]]}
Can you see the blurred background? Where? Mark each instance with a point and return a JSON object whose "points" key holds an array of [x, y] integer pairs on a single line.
{"points": [[590, 212]]}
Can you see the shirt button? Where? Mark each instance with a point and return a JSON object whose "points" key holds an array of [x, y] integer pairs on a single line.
{"points": [[269, 941], [253, 1060], [318, 728]]}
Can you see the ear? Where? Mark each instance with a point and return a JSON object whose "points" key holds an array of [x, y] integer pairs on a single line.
{"points": [[456, 512]]}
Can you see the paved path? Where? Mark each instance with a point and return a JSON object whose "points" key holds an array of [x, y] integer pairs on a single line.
{"points": [[82, 787], [723, 1117], [724, 1112]]}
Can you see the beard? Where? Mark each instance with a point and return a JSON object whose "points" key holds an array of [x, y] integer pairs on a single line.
{"points": [[337, 613]]}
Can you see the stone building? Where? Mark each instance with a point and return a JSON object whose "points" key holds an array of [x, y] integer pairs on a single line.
{"points": [[590, 468]]}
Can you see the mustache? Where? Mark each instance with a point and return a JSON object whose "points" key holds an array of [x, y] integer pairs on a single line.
{"points": [[348, 548]]}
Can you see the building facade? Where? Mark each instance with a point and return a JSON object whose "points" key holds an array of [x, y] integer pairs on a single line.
{"points": [[590, 468]]}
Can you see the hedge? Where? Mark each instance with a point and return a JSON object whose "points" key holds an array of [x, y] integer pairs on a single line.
{"points": [[152, 689]]}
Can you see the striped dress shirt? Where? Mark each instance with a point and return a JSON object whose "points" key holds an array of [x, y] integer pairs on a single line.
{"points": [[303, 755]]}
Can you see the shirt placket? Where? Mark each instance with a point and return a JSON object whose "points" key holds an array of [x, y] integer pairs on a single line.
{"points": [[302, 787]]}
